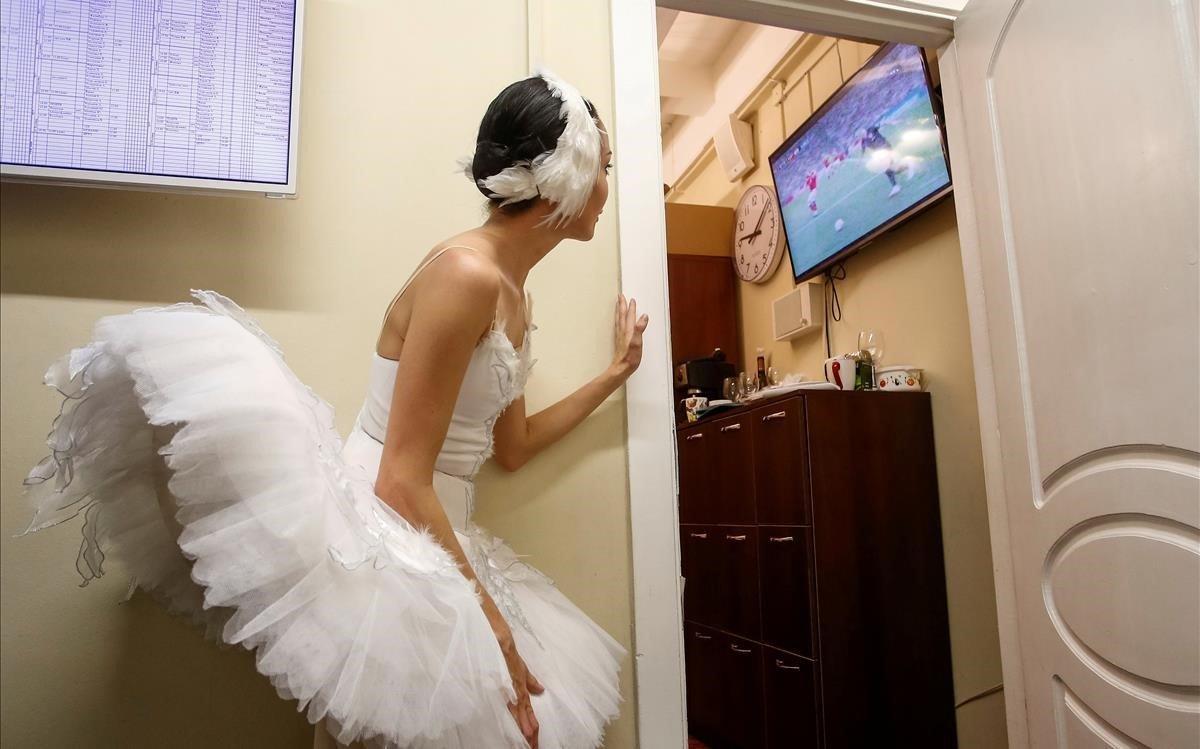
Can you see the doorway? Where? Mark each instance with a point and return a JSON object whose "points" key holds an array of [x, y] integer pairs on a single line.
{"points": [[995, 40], [808, 67]]}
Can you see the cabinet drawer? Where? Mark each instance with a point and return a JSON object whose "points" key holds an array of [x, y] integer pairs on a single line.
{"points": [[724, 688], [780, 464], [700, 562], [737, 594], [695, 474], [720, 566], [742, 676], [785, 558], [790, 701], [703, 664], [732, 458]]}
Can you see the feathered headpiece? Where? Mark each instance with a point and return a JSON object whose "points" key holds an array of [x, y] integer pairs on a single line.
{"points": [[564, 175]]}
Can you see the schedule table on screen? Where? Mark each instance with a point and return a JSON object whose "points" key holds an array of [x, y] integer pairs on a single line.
{"points": [[188, 88]]}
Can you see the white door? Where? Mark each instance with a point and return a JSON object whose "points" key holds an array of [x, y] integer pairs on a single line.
{"points": [[1077, 129]]}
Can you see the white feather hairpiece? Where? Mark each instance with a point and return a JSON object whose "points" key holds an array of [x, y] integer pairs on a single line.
{"points": [[564, 175]]}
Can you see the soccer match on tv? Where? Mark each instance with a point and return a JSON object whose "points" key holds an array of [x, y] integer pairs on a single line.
{"points": [[874, 151]]}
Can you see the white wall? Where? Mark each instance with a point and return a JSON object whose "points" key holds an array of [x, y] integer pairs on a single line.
{"points": [[392, 95]]}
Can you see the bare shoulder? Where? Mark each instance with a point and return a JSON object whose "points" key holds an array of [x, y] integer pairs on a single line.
{"points": [[463, 271], [461, 288]]}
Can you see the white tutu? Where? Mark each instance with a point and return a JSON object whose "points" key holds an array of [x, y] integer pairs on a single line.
{"points": [[363, 619]]}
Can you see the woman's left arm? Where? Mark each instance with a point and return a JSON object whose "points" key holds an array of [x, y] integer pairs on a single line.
{"points": [[519, 437]]}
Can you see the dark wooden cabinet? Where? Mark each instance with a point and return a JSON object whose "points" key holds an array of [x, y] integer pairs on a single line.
{"points": [[779, 439], [790, 710], [732, 473], [814, 596], [716, 460], [703, 303], [694, 469], [785, 554], [725, 557], [705, 706]]}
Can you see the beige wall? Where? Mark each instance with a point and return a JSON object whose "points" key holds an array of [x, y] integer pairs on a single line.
{"points": [[909, 285], [382, 124]]}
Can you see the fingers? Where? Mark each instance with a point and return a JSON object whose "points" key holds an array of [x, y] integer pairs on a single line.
{"points": [[535, 686], [522, 711]]}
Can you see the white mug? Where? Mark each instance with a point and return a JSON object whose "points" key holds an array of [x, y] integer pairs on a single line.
{"points": [[840, 371]]}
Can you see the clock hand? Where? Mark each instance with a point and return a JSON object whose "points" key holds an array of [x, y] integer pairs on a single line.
{"points": [[758, 226], [761, 216]]}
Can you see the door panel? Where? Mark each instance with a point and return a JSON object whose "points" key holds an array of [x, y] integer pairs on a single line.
{"points": [[732, 483], [786, 560], [1083, 191], [701, 549], [780, 444], [790, 697], [704, 661], [742, 722], [736, 593], [695, 474]]}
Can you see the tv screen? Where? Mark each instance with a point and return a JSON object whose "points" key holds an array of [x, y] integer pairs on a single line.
{"points": [[188, 94], [869, 158]]}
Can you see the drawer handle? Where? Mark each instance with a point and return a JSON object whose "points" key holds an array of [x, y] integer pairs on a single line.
{"points": [[731, 427], [698, 535], [735, 538], [776, 415], [736, 649], [784, 666], [699, 636], [780, 539], [695, 436]]}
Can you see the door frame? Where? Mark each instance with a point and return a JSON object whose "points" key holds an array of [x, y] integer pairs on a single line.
{"points": [[651, 457]]}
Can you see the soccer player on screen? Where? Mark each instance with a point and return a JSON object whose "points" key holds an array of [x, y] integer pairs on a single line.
{"points": [[880, 156]]}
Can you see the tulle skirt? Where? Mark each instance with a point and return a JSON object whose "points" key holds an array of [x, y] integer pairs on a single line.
{"points": [[215, 476]]}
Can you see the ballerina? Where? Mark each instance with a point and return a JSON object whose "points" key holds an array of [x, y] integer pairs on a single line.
{"points": [[354, 570]]}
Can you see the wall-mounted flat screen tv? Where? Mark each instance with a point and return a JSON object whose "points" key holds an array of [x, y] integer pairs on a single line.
{"points": [[182, 95], [871, 157]]}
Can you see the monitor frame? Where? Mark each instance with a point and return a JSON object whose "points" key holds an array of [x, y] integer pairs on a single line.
{"points": [[179, 183], [924, 203]]}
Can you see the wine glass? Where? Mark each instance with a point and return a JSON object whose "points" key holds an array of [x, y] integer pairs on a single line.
{"points": [[749, 384], [731, 389], [871, 341]]}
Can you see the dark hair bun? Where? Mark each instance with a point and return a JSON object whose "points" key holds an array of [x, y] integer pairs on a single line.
{"points": [[522, 122]]}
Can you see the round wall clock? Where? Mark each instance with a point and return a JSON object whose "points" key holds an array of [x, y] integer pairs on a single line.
{"points": [[756, 245]]}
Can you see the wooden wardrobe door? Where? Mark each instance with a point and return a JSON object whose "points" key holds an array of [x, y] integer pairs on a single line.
{"points": [[780, 465], [703, 299], [785, 558], [736, 598], [742, 718], [732, 456], [881, 586], [701, 559], [695, 474], [704, 660], [790, 697]]}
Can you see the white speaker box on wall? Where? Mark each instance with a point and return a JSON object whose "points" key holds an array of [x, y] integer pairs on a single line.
{"points": [[735, 147], [800, 311]]}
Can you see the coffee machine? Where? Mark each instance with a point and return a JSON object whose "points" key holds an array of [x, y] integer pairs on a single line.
{"points": [[704, 376]]}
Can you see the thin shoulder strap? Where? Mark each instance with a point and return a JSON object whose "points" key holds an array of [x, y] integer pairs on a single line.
{"points": [[417, 272]]}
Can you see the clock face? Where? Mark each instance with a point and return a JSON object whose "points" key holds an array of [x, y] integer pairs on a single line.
{"points": [[756, 245]]}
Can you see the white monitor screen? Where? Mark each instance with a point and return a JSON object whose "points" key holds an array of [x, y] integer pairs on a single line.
{"points": [[195, 94]]}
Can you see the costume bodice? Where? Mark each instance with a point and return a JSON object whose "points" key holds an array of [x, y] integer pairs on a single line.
{"points": [[495, 377]]}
